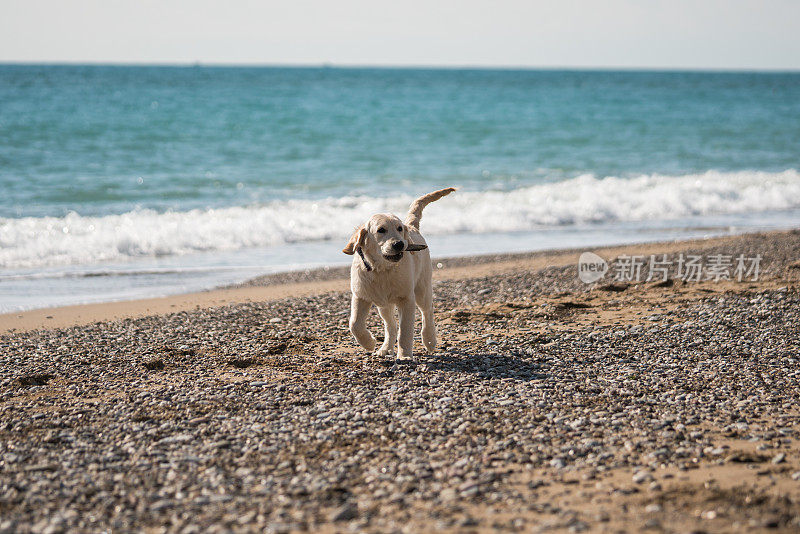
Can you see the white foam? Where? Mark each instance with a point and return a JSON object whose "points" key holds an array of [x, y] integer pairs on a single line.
{"points": [[76, 240]]}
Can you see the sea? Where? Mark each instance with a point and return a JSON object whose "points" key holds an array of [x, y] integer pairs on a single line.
{"points": [[121, 182]]}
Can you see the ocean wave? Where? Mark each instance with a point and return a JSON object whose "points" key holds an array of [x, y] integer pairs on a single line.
{"points": [[75, 239]]}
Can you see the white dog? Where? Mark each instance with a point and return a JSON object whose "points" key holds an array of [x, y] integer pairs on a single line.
{"points": [[392, 269]]}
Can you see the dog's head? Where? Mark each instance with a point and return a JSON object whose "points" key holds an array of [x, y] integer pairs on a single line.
{"points": [[383, 238]]}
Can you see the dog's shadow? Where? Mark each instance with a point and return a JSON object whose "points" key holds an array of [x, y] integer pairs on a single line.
{"points": [[483, 365]]}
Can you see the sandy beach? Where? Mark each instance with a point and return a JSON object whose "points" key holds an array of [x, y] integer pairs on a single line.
{"points": [[550, 405]]}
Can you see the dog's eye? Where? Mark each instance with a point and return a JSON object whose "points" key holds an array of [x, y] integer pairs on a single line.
{"points": [[399, 228], [381, 230]]}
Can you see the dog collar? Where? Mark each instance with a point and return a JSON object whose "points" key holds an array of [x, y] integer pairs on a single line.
{"points": [[367, 266]]}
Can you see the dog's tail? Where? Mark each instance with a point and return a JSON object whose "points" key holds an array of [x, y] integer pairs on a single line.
{"points": [[415, 211]]}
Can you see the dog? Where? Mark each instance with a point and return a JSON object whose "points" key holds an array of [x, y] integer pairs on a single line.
{"points": [[392, 269]]}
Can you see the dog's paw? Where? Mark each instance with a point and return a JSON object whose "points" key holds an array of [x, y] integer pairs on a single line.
{"points": [[429, 341], [367, 343], [384, 350]]}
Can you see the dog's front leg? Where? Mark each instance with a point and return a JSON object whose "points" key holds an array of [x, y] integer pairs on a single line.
{"points": [[407, 308], [359, 308], [389, 329]]}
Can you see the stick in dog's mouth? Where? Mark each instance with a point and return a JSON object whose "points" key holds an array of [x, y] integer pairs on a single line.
{"points": [[410, 248]]}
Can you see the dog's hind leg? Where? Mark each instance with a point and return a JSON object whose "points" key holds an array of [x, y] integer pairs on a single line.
{"points": [[424, 299], [359, 308], [389, 330], [407, 310]]}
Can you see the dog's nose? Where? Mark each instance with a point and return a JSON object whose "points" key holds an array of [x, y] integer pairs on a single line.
{"points": [[398, 245]]}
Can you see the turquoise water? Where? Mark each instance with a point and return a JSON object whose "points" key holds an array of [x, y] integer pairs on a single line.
{"points": [[124, 168]]}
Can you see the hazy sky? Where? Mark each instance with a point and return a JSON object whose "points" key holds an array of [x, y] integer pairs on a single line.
{"points": [[721, 34]]}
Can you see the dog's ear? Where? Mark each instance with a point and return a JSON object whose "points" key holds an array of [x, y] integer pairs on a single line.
{"points": [[356, 240], [411, 247]]}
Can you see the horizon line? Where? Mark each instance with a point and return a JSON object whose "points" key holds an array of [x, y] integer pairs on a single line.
{"points": [[397, 66]]}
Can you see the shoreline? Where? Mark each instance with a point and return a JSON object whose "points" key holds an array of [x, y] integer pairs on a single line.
{"points": [[150, 278], [311, 282]]}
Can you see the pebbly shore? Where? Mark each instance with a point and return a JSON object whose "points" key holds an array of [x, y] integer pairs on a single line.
{"points": [[550, 405]]}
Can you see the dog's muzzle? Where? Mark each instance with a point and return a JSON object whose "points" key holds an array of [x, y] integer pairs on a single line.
{"points": [[394, 257], [397, 247]]}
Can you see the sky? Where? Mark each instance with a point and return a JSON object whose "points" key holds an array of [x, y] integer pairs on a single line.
{"points": [[698, 34]]}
